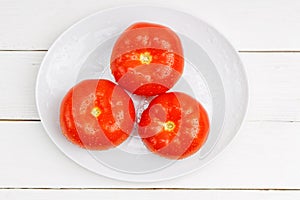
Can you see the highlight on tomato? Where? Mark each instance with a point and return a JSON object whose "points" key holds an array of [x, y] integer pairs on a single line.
{"points": [[97, 115], [174, 125], [147, 59]]}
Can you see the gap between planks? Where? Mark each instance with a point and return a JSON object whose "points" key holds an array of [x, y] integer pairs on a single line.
{"points": [[20, 120], [269, 51], [251, 121], [239, 51], [146, 189]]}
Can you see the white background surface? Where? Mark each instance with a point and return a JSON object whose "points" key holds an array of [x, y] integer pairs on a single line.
{"points": [[261, 163]]}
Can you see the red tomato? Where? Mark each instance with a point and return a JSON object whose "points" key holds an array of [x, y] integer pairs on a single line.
{"points": [[147, 59], [174, 125], [97, 115]]}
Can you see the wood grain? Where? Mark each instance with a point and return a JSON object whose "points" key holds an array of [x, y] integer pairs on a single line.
{"points": [[274, 80], [249, 25], [18, 72], [264, 155]]}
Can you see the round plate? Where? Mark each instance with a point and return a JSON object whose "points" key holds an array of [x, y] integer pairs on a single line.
{"points": [[213, 74]]}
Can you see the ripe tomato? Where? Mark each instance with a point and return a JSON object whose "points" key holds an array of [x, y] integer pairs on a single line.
{"points": [[174, 125], [147, 59], [97, 115]]}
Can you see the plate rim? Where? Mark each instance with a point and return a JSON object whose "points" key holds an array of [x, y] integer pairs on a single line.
{"points": [[225, 39]]}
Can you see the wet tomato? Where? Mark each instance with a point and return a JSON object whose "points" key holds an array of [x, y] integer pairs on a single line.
{"points": [[174, 125], [97, 115], [147, 59]]}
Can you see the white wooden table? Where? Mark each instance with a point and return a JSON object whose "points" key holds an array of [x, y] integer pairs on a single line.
{"points": [[263, 161]]}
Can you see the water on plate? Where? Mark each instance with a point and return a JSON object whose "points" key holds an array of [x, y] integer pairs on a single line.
{"points": [[200, 79]]}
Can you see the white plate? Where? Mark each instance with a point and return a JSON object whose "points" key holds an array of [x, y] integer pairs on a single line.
{"points": [[213, 74]]}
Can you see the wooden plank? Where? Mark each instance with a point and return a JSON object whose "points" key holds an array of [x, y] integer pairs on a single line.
{"points": [[147, 195], [249, 25], [18, 71], [274, 80], [264, 155]]}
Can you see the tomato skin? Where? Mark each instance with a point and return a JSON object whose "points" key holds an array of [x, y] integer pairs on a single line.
{"points": [[174, 125], [97, 115], [147, 59]]}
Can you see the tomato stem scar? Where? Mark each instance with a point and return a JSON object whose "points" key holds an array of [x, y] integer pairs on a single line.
{"points": [[145, 58], [96, 112], [169, 126]]}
